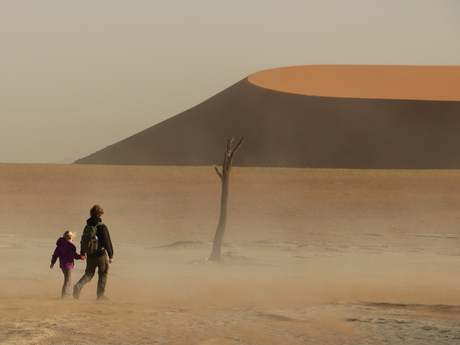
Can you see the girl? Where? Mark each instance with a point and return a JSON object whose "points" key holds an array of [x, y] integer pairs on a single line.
{"points": [[66, 252]]}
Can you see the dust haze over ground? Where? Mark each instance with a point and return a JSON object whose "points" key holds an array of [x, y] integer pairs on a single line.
{"points": [[312, 256]]}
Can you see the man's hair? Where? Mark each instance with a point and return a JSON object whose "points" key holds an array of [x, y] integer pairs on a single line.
{"points": [[96, 211]]}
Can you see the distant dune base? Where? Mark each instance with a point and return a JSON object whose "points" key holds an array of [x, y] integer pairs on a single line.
{"points": [[329, 128]]}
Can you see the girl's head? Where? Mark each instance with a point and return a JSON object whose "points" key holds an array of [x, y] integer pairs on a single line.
{"points": [[68, 235]]}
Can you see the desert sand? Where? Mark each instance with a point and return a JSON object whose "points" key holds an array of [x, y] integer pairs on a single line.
{"points": [[312, 256]]}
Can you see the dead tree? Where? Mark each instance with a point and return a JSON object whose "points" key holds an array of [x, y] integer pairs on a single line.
{"points": [[224, 177]]}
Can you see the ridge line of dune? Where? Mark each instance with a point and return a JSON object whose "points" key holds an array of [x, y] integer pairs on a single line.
{"points": [[436, 83]]}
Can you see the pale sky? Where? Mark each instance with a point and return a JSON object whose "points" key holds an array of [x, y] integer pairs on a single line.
{"points": [[77, 76]]}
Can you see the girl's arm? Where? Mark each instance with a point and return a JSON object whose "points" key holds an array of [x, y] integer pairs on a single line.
{"points": [[77, 256], [54, 257]]}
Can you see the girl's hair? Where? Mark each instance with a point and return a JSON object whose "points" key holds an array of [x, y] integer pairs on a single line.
{"points": [[96, 211], [68, 235]]}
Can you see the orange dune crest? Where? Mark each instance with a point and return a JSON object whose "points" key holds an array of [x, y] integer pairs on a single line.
{"points": [[437, 83]]}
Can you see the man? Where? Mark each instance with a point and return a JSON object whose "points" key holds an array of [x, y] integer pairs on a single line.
{"points": [[97, 259]]}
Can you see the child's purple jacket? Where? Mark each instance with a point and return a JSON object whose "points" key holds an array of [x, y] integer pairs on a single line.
{"points": [[66, 252]]}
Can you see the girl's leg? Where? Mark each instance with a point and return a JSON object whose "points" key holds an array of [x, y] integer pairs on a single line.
{"points": [[67, 281]]}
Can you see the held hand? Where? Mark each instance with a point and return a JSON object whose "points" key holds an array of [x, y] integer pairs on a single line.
{"points": [[110, 261], [83, 257]]}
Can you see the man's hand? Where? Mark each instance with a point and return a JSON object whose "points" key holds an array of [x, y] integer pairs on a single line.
{"points": [[51, 266], [110, 261]]}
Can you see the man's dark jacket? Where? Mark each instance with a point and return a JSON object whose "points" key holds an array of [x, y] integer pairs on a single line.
{"points": [[103, 236]]}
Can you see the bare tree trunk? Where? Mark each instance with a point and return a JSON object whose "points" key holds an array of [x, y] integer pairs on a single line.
{"points": [[216, 254]]}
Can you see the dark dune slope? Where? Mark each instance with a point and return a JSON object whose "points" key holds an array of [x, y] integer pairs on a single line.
{"points": [[290, 130]]}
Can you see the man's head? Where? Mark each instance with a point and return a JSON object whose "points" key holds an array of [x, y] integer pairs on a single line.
{"points": [[96, 211]]}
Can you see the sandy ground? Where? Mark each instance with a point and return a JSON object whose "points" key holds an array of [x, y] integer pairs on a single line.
{"points": [[313, 256]]}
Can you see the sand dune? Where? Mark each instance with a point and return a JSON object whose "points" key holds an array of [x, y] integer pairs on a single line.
{"points": [[427, 83], [314, 256], [346, 121]]}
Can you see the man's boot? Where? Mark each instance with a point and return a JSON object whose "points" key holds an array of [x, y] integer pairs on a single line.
{"points": [[76, 291]]}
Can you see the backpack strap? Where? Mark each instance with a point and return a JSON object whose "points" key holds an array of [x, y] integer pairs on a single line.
{"points": [[99, 223]]}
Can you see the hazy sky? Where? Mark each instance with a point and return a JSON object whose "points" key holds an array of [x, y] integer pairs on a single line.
{"points": [[77, 76]]}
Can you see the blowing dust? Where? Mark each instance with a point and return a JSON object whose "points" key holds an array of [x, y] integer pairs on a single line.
{"points": [[313, 257]]}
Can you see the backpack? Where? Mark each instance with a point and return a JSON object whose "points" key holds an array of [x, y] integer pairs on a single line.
{"points": [[89, 241]]}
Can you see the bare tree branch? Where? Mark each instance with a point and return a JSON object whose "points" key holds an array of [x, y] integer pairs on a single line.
{"points": [[218, 173]]}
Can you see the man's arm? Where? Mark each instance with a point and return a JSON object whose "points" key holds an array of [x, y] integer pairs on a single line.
{"points": [[107, 244]]}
